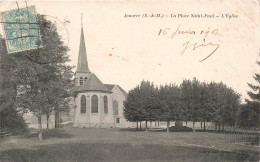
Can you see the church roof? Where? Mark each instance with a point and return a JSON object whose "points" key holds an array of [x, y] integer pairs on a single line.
{"points": [[82, 66], [123, 91], [111, 86], [92, 84]]}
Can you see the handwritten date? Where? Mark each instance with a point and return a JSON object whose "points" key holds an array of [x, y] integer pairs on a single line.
{"points": [[193, 46]]}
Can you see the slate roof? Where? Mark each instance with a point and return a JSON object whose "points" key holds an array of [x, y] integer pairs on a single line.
{"points": [[93, 84], [123, 91], [111, 86]]}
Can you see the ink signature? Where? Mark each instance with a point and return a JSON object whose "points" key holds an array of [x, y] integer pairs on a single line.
{"points": [[193, 46]]}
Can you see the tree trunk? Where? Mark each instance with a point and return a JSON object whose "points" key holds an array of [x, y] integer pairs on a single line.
{"points": [[204, 127], [186, 123], [47, 119], [223, 126], [1, 120], [219, 126], [216, 126], [146, 125], [193, 126], [56, 119], [59, 121], [158, 123], [1, 123], [155, 123], [137, 125], [201, 124], [150, 124], [40, 127], [140, 125], [168, 125]]}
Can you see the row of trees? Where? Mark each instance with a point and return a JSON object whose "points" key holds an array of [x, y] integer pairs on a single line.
{"points": [[249, 114], [37, 80], [192, 100]]}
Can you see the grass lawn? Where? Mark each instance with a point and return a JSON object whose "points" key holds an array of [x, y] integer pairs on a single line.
{"points": [[89, 144]]}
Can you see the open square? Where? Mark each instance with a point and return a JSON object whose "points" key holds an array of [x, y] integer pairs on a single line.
{"points": [[91, 144]]}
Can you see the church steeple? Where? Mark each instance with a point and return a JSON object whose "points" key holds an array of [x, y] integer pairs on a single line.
{"points": [[82, 66], [82, 72]]}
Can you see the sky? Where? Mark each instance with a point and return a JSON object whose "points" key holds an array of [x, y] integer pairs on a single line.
{"points": [[126, 50]]}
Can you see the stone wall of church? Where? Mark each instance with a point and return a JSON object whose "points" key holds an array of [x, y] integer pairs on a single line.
{"points": [[89, 119], [101, 119], [120, 98]]}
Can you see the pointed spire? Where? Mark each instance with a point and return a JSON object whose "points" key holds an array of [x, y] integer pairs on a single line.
{"points": [[81, 20], [82, 66]]}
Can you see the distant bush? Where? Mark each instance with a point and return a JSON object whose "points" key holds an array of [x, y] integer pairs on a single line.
{"points": [[178, 124], [180, 129]]}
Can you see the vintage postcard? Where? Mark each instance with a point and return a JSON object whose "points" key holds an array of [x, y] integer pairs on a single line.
{"points": [[129, 80]]}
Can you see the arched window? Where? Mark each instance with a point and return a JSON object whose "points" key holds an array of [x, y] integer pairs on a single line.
{"points": [[81, 81], [105, 105], [85, 79], [83, 104], [94, 104], [115, 107]]}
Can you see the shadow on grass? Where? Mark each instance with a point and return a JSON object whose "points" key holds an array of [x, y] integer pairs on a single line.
{"points": [[53, 133], [130, 129], [122, 152]]}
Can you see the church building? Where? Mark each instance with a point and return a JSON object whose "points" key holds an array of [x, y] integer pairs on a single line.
{"points": [[97, 104]]}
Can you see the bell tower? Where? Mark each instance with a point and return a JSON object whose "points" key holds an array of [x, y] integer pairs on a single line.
{"points": [[82, 72]]}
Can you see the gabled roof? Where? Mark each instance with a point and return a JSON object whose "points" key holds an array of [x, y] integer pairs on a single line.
{"points": [[111, 86], [123, 91], [82, 66], [92, 84]]}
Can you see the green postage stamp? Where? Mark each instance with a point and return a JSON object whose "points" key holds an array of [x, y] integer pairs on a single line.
{"points": [[21, 29]]}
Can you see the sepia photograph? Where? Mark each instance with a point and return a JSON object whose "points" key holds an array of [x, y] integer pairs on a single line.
{"points": [[130, 80]]}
